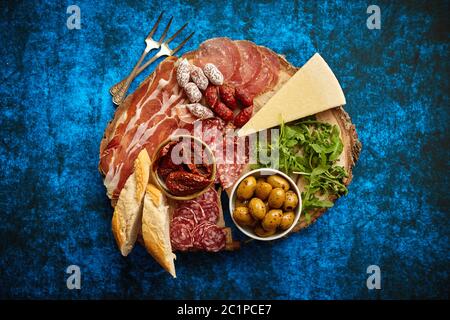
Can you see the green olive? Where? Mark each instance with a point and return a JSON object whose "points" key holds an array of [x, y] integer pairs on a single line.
{"points": [[272, 220], [276, 198], [257, 208], [278, 182], [246, 188], [243, 216], [291, 200], [260, 232], [241, 203], [263, 189], [287, 220]]}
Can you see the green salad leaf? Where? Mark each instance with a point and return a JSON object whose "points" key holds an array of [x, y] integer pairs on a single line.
{"points": [[311, 149]]}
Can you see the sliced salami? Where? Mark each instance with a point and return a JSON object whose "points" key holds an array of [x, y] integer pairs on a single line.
{"points": [[204, 211], [210, 195], [223, 53], [213, 238], [267, 77], [271, 59], [198, 234], [251, 62], [229, 174], [181, 235], [185, 213], [210, 204]]}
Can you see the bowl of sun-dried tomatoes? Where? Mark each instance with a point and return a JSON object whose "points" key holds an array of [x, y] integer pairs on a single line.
{"points": [[184, 167]]}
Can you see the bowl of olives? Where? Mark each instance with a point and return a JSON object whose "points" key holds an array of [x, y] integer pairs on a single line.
{"points": [[265, 204]]}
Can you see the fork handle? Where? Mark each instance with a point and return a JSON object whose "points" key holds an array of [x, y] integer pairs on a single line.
{"points": [[115, 88], [120, 95], [119, 90]]}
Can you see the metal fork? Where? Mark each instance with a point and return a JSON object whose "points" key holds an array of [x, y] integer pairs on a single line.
{"points": [[120, 89]]}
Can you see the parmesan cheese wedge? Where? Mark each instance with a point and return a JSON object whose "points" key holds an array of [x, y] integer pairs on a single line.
{"points": [[312, 89]]}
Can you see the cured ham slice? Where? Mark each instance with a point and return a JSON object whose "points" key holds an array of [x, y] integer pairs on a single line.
{"points": [[267, 77], [223, 53], [251, 62], [272, 61], [144, 120]]}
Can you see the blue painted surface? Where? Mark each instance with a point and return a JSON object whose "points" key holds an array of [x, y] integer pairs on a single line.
{"points": [[54, 107]]}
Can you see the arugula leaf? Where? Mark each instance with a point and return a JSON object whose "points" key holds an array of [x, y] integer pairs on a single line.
{"points": [[311, 148]]}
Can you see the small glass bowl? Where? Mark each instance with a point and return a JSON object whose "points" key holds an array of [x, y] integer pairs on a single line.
{"points": [[162, 185]]}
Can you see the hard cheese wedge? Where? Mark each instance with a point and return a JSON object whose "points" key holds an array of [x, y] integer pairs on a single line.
{"points": [[312, 89]]}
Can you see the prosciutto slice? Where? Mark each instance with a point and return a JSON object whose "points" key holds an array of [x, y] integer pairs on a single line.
{"points": [[147, 118]]}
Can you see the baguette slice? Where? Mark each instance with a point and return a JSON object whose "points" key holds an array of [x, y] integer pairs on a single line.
{"points": [[156, 228], [127, 218]]}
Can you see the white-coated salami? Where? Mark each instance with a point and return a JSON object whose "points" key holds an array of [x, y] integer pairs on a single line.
{"points": [[192, 92], [183, 73], [199, 78], [213, 73], [200, 111]]}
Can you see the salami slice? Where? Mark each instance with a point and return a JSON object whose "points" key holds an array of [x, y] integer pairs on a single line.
{"points": [[230, 170], [185, 214], [181, 235], [267, 77], [210, 195], [213, 238], [198, 234], [251, 61], [229, 174], [204, 211], [210, 204], [271, 59], [223, 53]]}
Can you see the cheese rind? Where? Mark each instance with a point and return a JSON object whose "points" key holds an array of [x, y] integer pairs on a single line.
{"points": [[312, 89]]}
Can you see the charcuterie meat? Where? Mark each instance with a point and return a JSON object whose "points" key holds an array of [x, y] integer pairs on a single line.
{"points": [[199, 216], [243, 116], [144, 120], [200, 111], [185, 213], [251, 61], [227, 96], [181, 234], [230, 169], [203, 211], [213, 74], [223, 112], [221, 52], [209, 237], [271, 60]]}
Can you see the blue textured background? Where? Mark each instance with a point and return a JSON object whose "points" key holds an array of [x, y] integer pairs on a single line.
{"points": [[54, 107]]}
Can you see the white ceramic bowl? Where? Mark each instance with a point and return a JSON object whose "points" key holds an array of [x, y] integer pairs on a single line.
{"points": [[265, 172]]}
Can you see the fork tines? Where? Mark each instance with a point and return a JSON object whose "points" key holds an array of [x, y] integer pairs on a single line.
{"points": [[118, 91]]}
